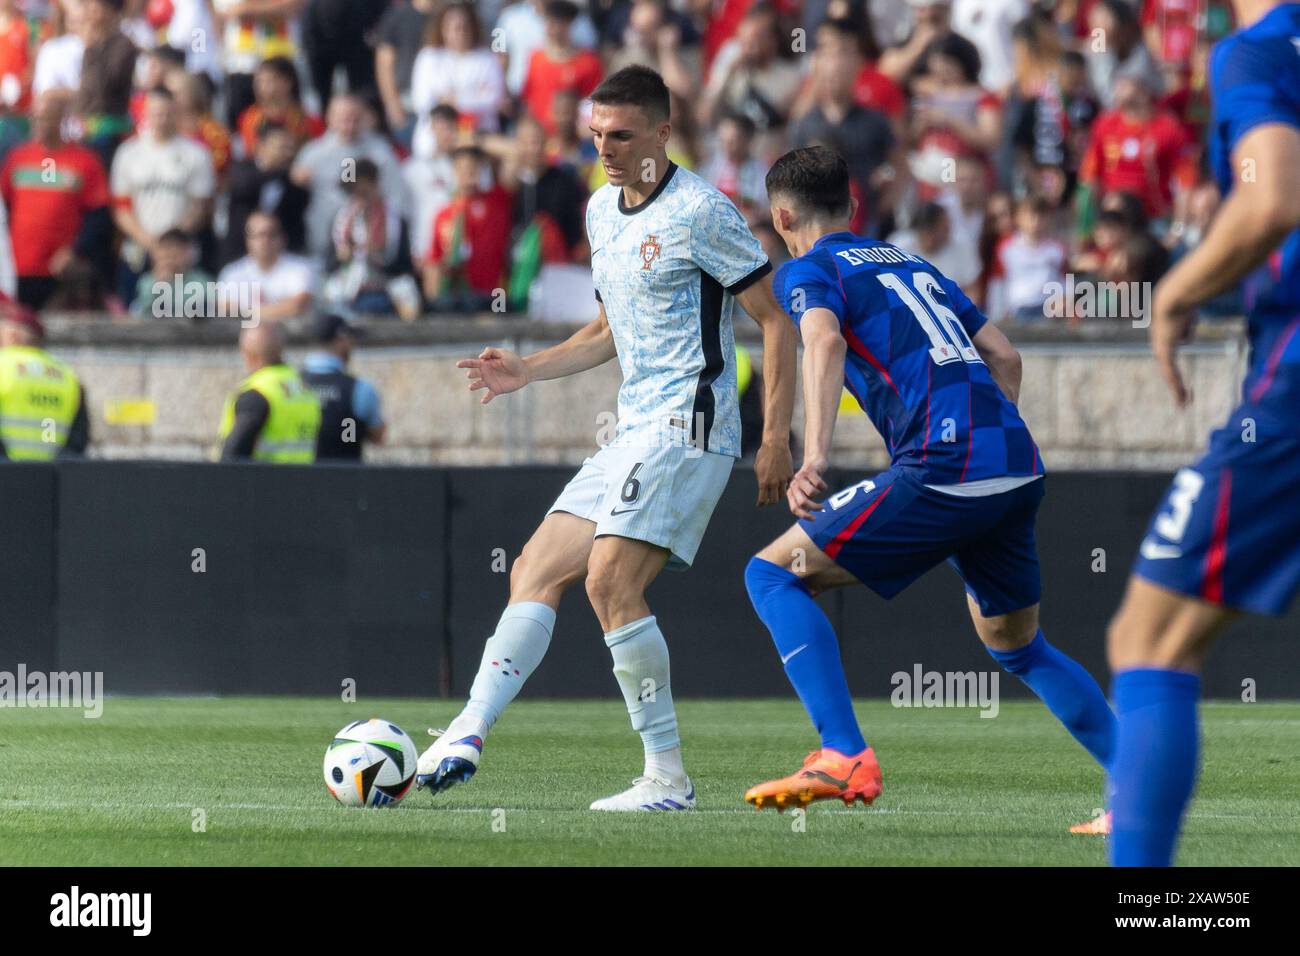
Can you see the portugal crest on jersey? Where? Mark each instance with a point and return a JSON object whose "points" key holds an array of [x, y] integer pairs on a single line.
{"points": [[649, 252]]}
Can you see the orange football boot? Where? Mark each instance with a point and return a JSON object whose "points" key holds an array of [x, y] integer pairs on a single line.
{"points": [[1097, 826], [826, 775]]}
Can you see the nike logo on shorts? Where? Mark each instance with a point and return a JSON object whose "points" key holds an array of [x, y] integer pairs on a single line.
{"points": [[1153, 550]]}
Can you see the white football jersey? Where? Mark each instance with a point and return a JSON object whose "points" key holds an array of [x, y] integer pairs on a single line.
{"points": [[667, 271]]}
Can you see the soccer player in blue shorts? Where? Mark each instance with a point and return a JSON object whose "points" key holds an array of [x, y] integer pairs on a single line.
{"points": [[1227, 536], [939, 382]]}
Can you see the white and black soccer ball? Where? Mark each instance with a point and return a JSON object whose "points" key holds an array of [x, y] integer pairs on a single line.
{"points": [[370, 763]]}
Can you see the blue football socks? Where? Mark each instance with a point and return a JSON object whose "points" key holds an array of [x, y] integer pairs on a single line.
{"points": [[808, 648], [1154, 768], [1069, 692]]}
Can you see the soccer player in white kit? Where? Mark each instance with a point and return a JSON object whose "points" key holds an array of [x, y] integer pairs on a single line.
{"points": [[670, 254]]}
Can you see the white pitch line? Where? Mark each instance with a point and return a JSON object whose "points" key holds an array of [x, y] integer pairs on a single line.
{"points": [[897, 811]]}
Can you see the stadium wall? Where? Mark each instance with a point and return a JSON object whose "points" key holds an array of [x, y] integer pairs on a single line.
{"points": [[248, 579], [1093, 402]]}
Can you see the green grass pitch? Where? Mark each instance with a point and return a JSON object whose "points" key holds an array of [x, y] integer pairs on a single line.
{"points": [[959, 789]]}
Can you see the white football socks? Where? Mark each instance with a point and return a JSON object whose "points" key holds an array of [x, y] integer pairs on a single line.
{"points": [[509, 658], [641, 667]]}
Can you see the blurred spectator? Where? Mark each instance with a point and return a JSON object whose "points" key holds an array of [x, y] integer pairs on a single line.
{"points": [[1121, 215], [522, 29], [1186, 234], [735, 171], [281, 283], [988, 25], [351, 414], [999, 223], [334, 36], [173, 281], [370, 261], [81, 288], [324, 163], [456, 68], [263, 183], [965, 200], [952, 115], [278, 100], [931, 238], [57, 196], [557, 65], [873, 89], [160, 180], [1122, 54], [254, 31], [544, 192], [190, 28], [192, 93], [429, 176], [156, 68], [16, 63], [400, 38], [751, 77], [653, 38], [58, 62], [466, 259], [103, 100], [932, 21], [1135, 148], [863, 136], [8, 269], [1024, 263], [1139, 258]]}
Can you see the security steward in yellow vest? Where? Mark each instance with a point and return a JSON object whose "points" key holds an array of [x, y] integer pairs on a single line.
{"points": [[272, 416], [42, 404]]}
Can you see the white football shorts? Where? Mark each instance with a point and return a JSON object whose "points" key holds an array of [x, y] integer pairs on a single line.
{"points": [[664, 495]]}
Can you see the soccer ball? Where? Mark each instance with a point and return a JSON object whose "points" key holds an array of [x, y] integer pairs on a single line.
{"points": [[370, 763]]}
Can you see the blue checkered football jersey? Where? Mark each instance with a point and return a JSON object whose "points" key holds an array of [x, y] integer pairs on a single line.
{"points": [[1254, 81], [910, 362]]}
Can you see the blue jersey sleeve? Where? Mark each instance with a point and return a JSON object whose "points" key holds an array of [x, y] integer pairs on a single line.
{"points": [[968, 314], [804, 284], [1256, 81], [722, 245]]}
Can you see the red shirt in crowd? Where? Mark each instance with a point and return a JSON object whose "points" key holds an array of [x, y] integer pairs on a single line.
{"points": [[878, 92], [16, 60], [1139, 157], [473, 234], [580, 74], [47, 193]]}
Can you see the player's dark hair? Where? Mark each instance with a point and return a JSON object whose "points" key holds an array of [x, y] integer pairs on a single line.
{"points": [[635, 86], [815, 178]]}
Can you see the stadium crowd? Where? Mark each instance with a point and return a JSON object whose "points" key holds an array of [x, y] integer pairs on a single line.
{"points": [[408, 157]]}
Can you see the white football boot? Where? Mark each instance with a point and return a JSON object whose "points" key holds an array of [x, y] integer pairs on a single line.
{"points": [[450, 760], [648, 793]]}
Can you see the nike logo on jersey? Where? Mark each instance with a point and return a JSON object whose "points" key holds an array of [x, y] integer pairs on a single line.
{"points": [[785, 658], [1153, 550], [615, 511]]}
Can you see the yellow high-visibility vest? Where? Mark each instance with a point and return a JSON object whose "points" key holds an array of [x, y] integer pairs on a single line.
{"points": [[39, 398], [289, 435]]}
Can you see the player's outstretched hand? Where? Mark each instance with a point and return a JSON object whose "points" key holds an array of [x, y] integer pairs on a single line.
{"points": [[805, 488], [1170, 327], [773, 466], [500, 371]]}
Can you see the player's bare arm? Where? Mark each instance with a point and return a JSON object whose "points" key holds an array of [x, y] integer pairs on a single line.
{"points": [[773, 464], [502, 371], [1252, 221], [1002, 359], [823, 381]]}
